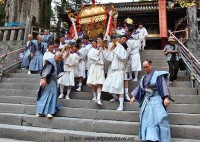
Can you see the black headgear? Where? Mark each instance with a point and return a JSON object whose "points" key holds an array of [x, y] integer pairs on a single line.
{"points": [[85, 37], [124, 45]]}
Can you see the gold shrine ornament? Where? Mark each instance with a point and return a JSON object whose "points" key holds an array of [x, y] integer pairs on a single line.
{"points": [[128, 21], [92, 14]]}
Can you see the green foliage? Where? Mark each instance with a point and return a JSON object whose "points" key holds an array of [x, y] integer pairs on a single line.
{"points": [[2, 13]]}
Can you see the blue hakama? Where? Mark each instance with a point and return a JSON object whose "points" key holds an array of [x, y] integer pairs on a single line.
{"points": [[48, 100], [47, 96], [36, 63], [151, 92], [26, 59]]}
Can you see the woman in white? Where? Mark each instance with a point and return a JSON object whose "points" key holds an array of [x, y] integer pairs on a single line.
{"points": [[71, 59], [96, 76], [134, 45], [114, 83]]}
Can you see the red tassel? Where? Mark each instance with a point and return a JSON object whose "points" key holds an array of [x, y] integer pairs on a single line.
{"points": [[93, 1]]}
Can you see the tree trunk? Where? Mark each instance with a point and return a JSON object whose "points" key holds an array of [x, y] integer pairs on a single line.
{"points": [[192, 27], [18, 10]]}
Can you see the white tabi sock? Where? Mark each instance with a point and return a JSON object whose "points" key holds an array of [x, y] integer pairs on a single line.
{"points": [[136, 75], [98, 96], [94, 95], [68, 92], [115, 96], [80, 85], [121, 102], [61, 88], [126, 90]]}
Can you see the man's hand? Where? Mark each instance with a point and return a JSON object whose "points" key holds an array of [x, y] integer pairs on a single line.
{"points": [[31, 55], [166, 102], [43, 82], [132, 100]]}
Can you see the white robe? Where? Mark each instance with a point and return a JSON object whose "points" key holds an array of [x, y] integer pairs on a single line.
{"points": [[134, 54], [69, 74], [82, 65], [114, 83], [121, 31], [96, 69], [107, 60], [47, 55], [88, 47], [144, 33]]}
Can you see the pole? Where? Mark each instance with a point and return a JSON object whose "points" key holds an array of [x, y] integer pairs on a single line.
{"points": [[163, 22]]}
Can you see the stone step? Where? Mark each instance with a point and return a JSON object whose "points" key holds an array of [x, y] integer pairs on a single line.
{"points": [[89, 95], [25, 78], [152, 57], [154, 60], [152, 51], [180, 73], [21, 80], [28, 76], [58, 135], [96, 114], [98, 126], [188, 107], [35, 85], [179, 99], [12, 140]]}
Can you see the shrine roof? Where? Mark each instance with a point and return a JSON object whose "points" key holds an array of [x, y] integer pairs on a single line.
{"points": [[142, 6]]}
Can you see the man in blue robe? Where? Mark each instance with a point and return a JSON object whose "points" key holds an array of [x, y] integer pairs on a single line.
{"points": [[46, 39], [27, 52], [37, 52], [47, 95], [153, 96]]}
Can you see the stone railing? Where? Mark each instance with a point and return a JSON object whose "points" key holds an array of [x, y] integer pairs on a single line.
{"points": [[12, 33]]}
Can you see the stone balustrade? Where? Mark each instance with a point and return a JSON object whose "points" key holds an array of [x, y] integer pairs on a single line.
{"points": [[12, 33]]}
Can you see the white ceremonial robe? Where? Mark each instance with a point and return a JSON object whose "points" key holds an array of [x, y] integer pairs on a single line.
{"points": [[144, 33], [121, 31], [69, 74], [47, 55], [96, 69], [88, 47], [114, 83], [134, 54], [81, 65], [128, 73], [107, 60]]}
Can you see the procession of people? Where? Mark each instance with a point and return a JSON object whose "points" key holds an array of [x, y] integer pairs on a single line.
{"points": [[105, 66]]}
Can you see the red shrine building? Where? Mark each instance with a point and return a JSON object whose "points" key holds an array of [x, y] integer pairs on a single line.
{"points": [[158, 16]]}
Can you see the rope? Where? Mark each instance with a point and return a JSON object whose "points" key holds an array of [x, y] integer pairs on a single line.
{"points": [[12, 52]]}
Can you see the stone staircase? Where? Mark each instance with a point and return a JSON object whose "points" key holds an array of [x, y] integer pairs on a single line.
{"points": [[82, 120]]}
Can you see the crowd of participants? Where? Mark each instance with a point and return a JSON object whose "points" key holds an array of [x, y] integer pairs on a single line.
{"points": [[105, 66]]}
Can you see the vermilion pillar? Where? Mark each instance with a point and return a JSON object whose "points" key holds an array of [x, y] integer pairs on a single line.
{"points": [[163, 22]]}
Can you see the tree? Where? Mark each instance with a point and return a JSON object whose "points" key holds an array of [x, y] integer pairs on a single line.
{"points": [[192, 7], [18, 10], [62, 8], [2, 12]]}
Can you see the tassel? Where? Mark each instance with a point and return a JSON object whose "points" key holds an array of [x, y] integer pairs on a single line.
{"points": [[93, 2]]}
